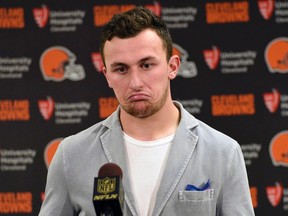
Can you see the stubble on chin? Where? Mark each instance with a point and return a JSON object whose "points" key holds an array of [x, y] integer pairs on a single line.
{"points": [[142, 112]]}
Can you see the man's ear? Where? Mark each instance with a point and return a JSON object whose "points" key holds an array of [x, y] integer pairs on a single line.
{"points": [[173, 64], [105, 74]]}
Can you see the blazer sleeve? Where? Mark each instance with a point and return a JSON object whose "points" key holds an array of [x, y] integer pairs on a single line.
{"points": [[236, 198], [57, 200]]}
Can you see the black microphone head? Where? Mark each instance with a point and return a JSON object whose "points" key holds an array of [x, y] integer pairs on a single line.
{"points": [[108, 195], [110, 169]]}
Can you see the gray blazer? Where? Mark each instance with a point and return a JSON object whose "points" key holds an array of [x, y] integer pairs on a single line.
{"points": [[198, 153]]}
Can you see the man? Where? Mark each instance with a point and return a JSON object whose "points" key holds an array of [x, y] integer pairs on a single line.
{"points": [[173, 164]]}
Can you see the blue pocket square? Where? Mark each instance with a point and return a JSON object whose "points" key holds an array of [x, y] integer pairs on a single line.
{"points": [[202, 187]]}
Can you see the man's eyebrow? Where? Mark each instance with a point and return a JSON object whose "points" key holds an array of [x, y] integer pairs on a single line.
{"points": [[147, 58], [116, 64]]}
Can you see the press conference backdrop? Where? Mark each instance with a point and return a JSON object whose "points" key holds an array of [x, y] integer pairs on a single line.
{"points": [[233, 76]]}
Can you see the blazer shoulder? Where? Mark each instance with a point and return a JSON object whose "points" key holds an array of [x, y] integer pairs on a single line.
{"points": [[213, 138]]}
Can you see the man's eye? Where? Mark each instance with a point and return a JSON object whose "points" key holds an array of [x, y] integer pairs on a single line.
{"points": [[120, 69], [146, 66]]}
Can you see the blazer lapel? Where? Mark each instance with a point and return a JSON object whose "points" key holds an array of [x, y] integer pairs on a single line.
{"points": [[180, 154], [114, 149]]}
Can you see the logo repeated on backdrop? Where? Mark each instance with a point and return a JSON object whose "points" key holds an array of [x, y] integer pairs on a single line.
{"points": [[14, 110], [179, 17], [284, 105], [212, 57], [174, 17], [227, 12], [41, 16], [64, 112], [16, 203], [278, 196], [251, 152], [14, 67], [50, 150], [266, 8], [57, 63], [46, 108], [276, 55], [193, 106], [275, 101], [59, 20], [233, 104], [272, 100], [12, 18], [281, 11], [16, 160], [285, 199], [279, 8], [97, 61], [274, 194], [230, 62], [187, 68], [278, 149], [103, 13]]}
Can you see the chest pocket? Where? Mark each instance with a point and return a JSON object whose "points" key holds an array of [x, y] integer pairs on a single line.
{"points": [[195, 203], [196, 196]]}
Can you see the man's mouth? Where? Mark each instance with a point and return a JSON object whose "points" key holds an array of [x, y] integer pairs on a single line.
{"points": [[137, 97]]}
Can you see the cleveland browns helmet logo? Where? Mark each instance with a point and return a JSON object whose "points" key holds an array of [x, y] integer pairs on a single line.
{"points": [[58, 63], [276, 55], [187, 68], [279, 149]]}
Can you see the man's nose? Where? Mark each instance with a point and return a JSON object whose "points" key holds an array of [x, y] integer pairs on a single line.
{"points": [[135, 79]]}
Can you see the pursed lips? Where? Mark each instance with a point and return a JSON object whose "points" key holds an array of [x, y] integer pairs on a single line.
{"points": [[137, 97]]}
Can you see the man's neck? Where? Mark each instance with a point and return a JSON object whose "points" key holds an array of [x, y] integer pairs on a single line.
{"points": [[161, 124]]}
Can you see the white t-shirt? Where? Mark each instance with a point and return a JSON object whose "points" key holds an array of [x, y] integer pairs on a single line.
{"points": [[147, 160]]}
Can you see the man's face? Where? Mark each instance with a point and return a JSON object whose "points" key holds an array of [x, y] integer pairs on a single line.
{"points": [[138, 72]]}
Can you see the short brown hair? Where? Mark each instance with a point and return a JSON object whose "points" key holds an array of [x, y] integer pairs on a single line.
{"points": [[131, 23]]}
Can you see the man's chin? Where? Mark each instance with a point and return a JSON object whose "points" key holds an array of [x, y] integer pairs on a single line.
{"points": [[139, 113], [142, 112]]}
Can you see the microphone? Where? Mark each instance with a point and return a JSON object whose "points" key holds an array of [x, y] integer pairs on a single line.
{"points": [[108, 195]]}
